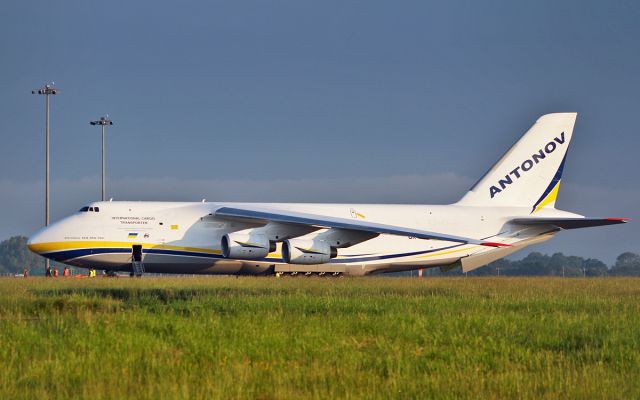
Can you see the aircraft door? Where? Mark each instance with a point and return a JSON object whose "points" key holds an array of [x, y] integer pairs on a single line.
{"points": [[136, 253]]}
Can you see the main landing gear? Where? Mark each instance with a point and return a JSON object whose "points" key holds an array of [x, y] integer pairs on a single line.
{"points": [[310, 274]]}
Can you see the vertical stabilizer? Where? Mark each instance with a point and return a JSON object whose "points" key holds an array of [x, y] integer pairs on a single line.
{"points": [[529, 174]]}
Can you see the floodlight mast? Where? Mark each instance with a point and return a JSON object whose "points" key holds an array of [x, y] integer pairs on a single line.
{"points": [[47, 90], [103, 122]]}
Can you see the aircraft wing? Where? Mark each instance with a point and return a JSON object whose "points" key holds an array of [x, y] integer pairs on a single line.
{"points": [[265, 215], [570, 223]]}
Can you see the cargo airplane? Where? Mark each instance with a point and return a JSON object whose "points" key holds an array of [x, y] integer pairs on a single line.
{"points": [[511, 207]]}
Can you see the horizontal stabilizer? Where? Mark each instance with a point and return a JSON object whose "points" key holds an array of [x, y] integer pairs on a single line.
{"points": [[570, 223]]}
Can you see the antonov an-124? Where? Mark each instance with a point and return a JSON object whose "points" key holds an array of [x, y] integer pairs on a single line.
{"points": [[511, 207]]}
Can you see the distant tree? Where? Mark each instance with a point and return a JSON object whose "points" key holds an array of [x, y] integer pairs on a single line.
{"points": [[498, 267], [626, 264], [595, 267], [533, 264], [537, 264], [562, 265], [15, 255]]}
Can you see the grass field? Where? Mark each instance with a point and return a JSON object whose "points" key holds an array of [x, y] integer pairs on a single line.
{"points": [[320, 338]]}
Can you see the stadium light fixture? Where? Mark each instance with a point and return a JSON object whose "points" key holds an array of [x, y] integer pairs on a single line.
{"points": [[103, 122], [47, 90]]}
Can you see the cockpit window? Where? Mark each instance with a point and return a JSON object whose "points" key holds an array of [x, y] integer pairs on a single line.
{"points": [[96, 209], [84, 209], [90, 208]]}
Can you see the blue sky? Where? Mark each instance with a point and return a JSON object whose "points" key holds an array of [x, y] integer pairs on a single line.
{"points": [[317, 101]]}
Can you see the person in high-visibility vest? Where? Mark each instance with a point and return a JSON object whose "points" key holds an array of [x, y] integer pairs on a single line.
{"points": [[66, 272]]}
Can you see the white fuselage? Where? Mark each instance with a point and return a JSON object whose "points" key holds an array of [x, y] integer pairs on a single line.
{"points": [[180, 238]]}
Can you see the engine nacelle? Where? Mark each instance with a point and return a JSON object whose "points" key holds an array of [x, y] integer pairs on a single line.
{"points": [[303, 251], [246, 246]]}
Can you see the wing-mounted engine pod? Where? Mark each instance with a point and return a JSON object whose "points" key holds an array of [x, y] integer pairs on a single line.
{"points": [[246, 246], [303, 251]]}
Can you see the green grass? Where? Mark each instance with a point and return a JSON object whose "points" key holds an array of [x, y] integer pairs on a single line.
{"points": [[320, 338]]}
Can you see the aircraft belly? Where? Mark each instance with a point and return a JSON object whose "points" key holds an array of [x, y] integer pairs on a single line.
{"points": [[163, 263]]}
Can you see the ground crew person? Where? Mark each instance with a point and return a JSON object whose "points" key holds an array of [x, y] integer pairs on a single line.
{"points": [[66, 271], [48, 272], [56, 273], [25, 272]]}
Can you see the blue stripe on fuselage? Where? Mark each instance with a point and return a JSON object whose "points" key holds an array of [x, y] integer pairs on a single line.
{"points": [[68, 255]]}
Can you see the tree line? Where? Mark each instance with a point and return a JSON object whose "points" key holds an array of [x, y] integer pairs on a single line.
{"points": [[15, 256], [558, 264]]}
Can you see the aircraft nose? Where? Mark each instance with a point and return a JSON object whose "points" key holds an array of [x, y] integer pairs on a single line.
{"points": [[36, 241]]}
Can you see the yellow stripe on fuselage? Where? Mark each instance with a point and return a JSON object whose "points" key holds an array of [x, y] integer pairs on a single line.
{"points": [[442, 253], [73, 245]]}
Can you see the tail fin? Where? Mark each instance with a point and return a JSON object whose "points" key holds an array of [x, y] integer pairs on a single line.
{"points": [[529, 174]]}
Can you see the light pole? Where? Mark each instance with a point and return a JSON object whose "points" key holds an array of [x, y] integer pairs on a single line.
{"points": [[103, 122], [46, 90]]}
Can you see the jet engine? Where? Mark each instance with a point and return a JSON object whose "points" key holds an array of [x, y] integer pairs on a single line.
{"points": [[246, 246], [303, 251]]}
